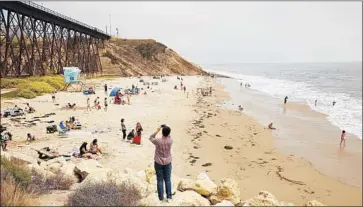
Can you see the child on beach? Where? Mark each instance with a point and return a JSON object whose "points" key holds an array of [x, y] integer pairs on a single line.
{"points": [[88, 104], [98, 106], [95, 102], [30, 137], [105, 89], [123, 128], [342, 138], [106, 104], [131, 135], [53, 97]]}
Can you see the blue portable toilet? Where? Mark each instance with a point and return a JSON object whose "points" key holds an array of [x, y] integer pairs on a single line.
{"points": [[114, 91]]}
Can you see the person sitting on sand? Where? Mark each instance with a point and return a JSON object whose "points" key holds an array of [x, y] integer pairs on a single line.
{"points": [[84, 152], [63, 126], [240, 108], [145, 93], [98, 106], [30, 109], [137, 138], [95, 102], [94, 148], [342, 138], [72, 119], [270, 126], [69, 125], [131, 134], [71, 106], [175, 87], [30, 137], [16, 108]]}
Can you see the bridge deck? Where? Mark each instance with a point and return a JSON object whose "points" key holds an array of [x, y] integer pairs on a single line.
{"points": [[39, 12]]}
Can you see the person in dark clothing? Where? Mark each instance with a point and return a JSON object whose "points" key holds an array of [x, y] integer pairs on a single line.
{"points": [[84, 152], [285, 100], [334, 103], [185, 89], [131, 134], [105, 89], [123, 128]]}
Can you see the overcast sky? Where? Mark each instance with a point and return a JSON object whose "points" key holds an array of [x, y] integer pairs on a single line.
{"points": [[234, 32]]}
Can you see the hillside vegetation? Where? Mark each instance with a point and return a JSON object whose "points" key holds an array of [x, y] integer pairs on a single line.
{"points": [[128, 57]]}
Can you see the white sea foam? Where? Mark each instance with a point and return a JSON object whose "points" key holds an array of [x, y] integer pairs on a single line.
{"points": [[346, 114]]}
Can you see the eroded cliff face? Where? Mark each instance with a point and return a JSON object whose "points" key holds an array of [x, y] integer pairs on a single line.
{"points": [[127, 57]]}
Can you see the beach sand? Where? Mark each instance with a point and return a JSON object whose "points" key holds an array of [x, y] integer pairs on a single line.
{"points": [[201, 129]]}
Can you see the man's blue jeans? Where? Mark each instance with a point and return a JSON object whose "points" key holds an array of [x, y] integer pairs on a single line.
{"points": [[163, 174]]}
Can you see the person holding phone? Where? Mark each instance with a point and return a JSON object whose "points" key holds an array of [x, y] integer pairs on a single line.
{"points": [[162, 161]]}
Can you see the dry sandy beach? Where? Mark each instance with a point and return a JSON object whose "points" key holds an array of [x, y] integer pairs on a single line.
{"points": [[200, 128]]}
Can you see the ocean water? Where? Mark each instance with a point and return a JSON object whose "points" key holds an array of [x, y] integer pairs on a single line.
{"points": [[306, 82]]}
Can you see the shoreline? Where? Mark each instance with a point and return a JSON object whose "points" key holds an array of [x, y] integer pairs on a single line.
{"points": [[303, 132], [258, 161], [201, 129]]}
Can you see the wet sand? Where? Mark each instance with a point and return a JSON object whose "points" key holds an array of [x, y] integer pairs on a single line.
{"points": [[201, 130], [303, 132]]}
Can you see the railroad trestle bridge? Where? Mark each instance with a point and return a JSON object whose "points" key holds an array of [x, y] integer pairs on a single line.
{"points": [[35, 40]]}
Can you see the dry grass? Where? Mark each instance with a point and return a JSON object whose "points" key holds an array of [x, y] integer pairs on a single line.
{"points": [[105, 194], [42, 185], [13, 194], [20, 187]]}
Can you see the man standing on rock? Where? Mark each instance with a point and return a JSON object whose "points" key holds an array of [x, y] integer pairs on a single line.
{"points": [[162, 162]]}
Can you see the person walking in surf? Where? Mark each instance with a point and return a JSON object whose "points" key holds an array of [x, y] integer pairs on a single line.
{"points": [[342, 138], [285, 100]]}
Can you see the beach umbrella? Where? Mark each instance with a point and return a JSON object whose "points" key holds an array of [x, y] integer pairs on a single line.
{"points": [[114, 91]]}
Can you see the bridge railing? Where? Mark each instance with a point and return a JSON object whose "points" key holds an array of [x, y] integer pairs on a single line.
{"points": [[32, 4]]}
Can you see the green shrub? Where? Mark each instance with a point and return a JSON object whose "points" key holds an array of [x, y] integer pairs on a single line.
{"points": [[54, 82], [31, 87], [20, 173], [26, 93], [37, 87], [10, 82]]}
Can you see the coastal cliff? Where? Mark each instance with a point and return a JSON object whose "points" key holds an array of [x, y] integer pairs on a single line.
{"points": [[133, 57]]}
